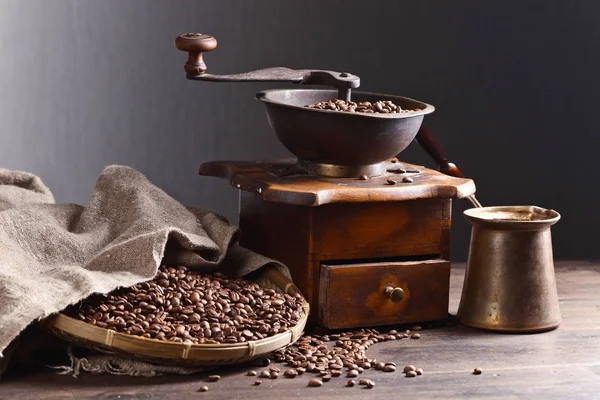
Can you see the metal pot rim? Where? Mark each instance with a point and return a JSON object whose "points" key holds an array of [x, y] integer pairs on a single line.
{"points": [[263, 96], [513, 217]]}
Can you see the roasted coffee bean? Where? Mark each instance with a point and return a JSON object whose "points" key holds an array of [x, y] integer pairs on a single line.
{"points": [[419, 371], [203, 389], [391, 182], [411, 374], [409, 368], [415, 336], [379, 365], [274, 375], [290, 373], [365, 365], [351, 383], [301, 370], [213, 378], [251, 373], [265, 374], [315, 382], [416, 327], [257, 382], [477, 371], [326, 378], [407, 179], [335, 373], [363, 381], [363, 177], [389, 368]]}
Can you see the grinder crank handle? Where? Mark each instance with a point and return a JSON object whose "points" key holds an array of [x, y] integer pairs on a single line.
{"points": [[195, 44], [426, 140]]}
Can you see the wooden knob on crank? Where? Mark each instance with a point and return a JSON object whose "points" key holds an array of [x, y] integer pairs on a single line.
{"points": [[395, 294], [195, 44]]}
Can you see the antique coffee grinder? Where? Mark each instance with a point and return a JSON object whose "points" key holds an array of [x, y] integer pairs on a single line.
{"points": [[365, 236]]}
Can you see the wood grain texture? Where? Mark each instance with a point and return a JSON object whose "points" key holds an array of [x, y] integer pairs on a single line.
{"points": [[557, 365], [305, 237], [378, 230], [280, 182], [354, 295]]}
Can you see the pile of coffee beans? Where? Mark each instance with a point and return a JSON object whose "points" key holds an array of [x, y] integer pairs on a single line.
{"points": [[380, 107], [185, 306], [311, 354], [334, 355]]}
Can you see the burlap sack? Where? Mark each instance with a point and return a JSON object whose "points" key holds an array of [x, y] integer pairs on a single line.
{"points": [[53, 255]]}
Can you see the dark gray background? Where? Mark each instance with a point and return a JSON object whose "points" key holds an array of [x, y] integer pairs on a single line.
{"points": [[85, 84]]}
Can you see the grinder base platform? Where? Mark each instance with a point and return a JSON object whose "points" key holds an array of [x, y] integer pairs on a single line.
{"points": [[284, 181]]}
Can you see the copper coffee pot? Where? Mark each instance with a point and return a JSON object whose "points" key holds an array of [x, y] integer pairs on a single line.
{"points": [[509, 282]]}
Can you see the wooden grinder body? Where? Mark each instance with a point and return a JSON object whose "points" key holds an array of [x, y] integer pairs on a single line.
{"points": [[362, 253]]}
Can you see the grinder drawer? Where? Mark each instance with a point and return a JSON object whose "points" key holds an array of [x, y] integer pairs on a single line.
{"points": [[383, 293]]}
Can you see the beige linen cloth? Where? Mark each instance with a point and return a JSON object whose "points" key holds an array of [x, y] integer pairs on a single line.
{"points": [[53, 255]]}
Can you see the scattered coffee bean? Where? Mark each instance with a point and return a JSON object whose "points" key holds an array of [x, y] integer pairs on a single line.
{"points": [[290, 373], [184, 306], [381, 107], [351, 383], [257, 382], [477, 371], [265, 374], [416, 327], [363, 177], [203, 389], [407, 179], [393, 332], [411, 374], [391, 182], [315, 382], [363, 381], [213, 378], [252, 373], [370, 384], [300, 370], [274, 375], [312, 354], [409, 368], [415, 336], [419, 371]]}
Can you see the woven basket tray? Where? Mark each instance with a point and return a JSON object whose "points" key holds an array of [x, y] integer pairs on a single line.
{"points": [[168, 353]]}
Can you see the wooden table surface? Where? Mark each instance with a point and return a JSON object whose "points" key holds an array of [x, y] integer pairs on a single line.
{"points": [[561, 364]]}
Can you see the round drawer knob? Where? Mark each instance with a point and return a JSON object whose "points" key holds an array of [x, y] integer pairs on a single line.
{"points": [[395, 294]]}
